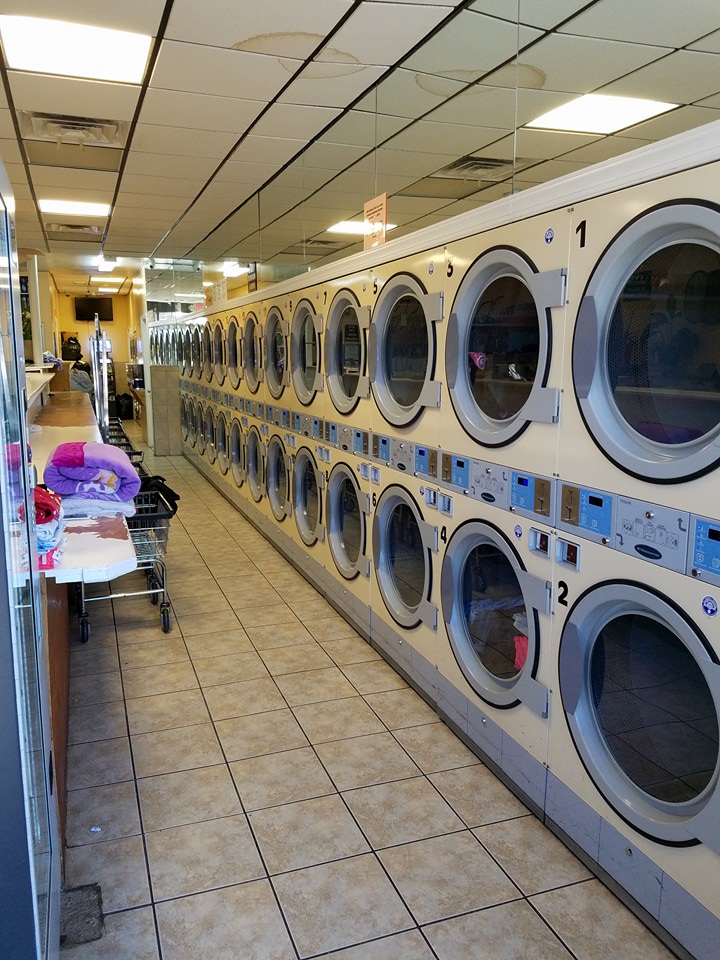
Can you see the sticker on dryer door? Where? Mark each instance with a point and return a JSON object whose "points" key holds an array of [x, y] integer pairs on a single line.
{"points": [[710, 606]]}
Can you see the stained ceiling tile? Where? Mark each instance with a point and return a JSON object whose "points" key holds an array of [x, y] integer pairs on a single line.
{"points": [[470, 46], [574, 64], [331, 84], [609, 19], [381, 33], [77, 98], [223, 73], [272, 27], [198, 111]]}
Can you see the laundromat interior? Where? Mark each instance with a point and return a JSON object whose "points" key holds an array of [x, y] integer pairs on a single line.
{"points": [[483, 448]]}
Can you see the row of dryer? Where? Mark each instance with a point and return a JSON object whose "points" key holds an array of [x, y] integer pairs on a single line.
{"points": [[531, 529]]}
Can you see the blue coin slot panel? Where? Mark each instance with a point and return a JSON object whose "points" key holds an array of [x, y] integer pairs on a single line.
{"points": [[381, 448], [317, 429], [522, 491], [422, 458], [595, 513], [706, 546], [460, 472]]}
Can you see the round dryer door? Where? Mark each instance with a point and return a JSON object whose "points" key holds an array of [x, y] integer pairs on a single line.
{"points": [[219, 353], [276, 370], [252, 353], [191, 421], [498, 348], [207, 352], [402, 546], [196, 354], [646, 353], [234, 364], [173, 348], [185, 416], [345, 351], [222, 444], [305, 352], [181, 351], [492, 626], [640, 686], [278, 479], [210, 435], [199, 428], [402, 350], [347, 510], [308, 482], [187, 352], [238, 460], [255, 464]]}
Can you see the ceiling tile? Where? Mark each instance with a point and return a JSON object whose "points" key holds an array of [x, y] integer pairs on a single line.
{"points": [[196, 69], [574, 64], [327, 156], [193, 168], [709, 44], [234, 174], [414, 162], [609, 19], [129, 200], [604, 149], [7, 130], [293, 120], [179, 141], [76, 98], [10, 151], [550, 170], [423, 133], [331, 84], [381, 33], [80, 179], [407, 93], [713, 101], [682, 77], [497, 107], [535, 13], [161, 186], [536, 144], [198, 111], [358, 128], [470, 46], [272, 27], [686, 118], [267, 150]]}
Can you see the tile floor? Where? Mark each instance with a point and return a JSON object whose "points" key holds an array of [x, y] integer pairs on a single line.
{"points": [[259, 785]]}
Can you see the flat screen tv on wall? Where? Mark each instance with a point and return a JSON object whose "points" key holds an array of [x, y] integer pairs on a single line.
{"points": [[87, 307]]}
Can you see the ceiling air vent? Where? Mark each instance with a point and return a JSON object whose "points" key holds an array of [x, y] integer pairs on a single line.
{"points": [[60, 128], [76, 229], [481, 168], [317, 246]]}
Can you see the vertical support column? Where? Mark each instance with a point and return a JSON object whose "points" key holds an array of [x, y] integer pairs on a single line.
{"points": [[35, 318]]}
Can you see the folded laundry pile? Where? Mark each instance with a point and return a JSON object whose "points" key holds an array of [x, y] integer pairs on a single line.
{"points": [[88, 507], [92, 471]]}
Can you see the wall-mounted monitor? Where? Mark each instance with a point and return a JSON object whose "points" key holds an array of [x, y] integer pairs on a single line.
{"points": [[87, 307]]}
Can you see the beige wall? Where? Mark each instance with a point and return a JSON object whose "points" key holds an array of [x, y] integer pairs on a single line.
{"points": [[118, 331]]}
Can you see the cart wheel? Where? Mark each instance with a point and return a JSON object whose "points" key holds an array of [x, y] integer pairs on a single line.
{"points": [[165, 619], [84, 625]]}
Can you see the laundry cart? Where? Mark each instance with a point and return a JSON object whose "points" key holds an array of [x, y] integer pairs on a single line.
{"points": [[149, 531]]}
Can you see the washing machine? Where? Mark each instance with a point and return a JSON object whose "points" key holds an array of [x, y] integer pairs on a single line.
{"points": [[642, 391], [503, 344], [633, 757]]}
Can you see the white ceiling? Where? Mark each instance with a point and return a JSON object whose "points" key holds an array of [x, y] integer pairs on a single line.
{"points": [[257, 125]]}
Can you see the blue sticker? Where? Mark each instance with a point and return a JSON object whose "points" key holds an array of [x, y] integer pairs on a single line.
{"points": [[518, 531], [549, 235], [710, 606]]}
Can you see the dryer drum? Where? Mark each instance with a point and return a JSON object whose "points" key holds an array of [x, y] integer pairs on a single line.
{"points": [[646, 352], [234, 364], [641, 692], [346, 522], [210, 435], [308, 509], [191, 423], [251, 353], [255, 464], [199, 428], [184, 417], [196, 351], [277, 479], [207, 352], [219, 354]]}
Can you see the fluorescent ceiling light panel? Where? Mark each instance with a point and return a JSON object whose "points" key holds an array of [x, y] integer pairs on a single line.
{"points": [[107, 290], [355, 228], [74, 208], [118, 280], [596, 113], [231, 269], [106, 266], [74, 49]]}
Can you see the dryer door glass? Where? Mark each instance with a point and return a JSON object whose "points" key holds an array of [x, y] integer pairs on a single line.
{"points": [[405, 553], [218, 353], [309, 498], [210, 435], [237, 454], [307, 359], [222, 443], [277, 478], [349, 521], [250, 351], [276, 360], [254, 464], [233, 361], [200, 428], [183, 418], [406, 351], [654, 708], [191, 435], [207, 359], [495, 612], [663, 347], [348, 357], [196, 353], [503, 348]]}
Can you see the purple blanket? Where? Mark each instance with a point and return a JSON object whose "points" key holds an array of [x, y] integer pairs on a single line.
{"points": [[96, 471]]}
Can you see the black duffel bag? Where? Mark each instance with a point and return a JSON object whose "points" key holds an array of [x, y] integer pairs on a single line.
{"points": [[158, 483]]}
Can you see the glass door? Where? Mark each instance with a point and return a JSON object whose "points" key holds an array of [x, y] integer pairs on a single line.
{"points": [[29, 868]]}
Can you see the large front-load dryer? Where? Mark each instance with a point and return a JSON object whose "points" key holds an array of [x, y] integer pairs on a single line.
{"points": [[503, 344], [633, 759], [495, 644], [642, 410]]}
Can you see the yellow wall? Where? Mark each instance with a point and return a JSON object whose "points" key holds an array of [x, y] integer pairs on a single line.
{"points": [[118, 331]]}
